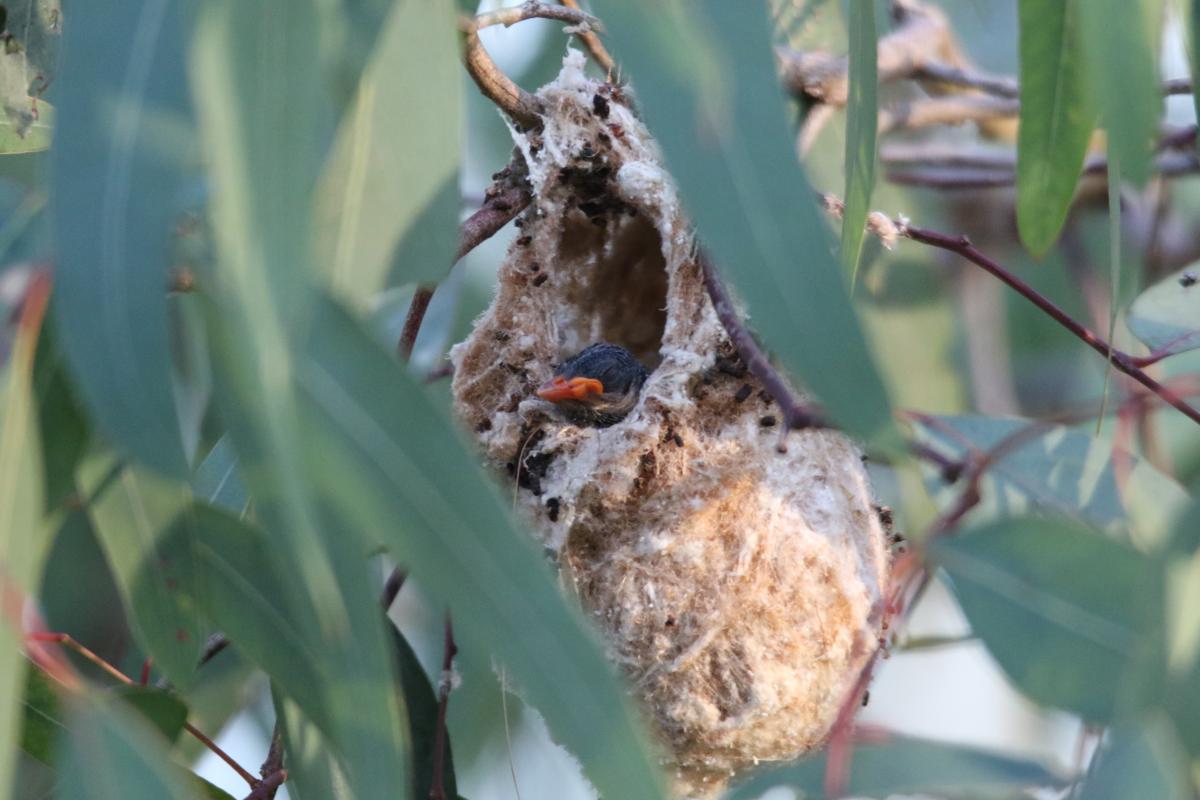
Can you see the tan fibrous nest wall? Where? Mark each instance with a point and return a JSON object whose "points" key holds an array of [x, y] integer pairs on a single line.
{"points": [[739, 587]]}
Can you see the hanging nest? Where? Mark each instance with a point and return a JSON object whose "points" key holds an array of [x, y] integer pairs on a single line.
{"points": [[738, 583]]}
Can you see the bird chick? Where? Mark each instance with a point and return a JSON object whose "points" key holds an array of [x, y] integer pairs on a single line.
{"points": [[598, 387]]}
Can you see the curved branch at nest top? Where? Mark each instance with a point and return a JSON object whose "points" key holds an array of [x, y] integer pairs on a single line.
{"points": [[523, 107]]}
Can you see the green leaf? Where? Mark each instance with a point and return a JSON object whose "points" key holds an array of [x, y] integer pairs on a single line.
{"points": [[1058, 470], [24, 534], [862, 125], [42, 723], [1121, 46], [904, 766], [217, 481], [422, 705], [392, 175], [1141, 760], [112, 753], [393, 464], [706, 82], [163, 710], [1057, 118], [135, 515], [313, 772], [64, 427], [1166, 317], [123, 130], [36, 136], [1074, 619]]}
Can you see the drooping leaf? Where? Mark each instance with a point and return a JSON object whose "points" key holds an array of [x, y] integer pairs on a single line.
{"points": [[124, 132], [36, 136], [313, 771], [135, 513], [1166, 317], [393, 464], [1059, 470], [1057, 118], [217, 481], [1073, 618], [24, 534], [706, 83], [1121, 46], [1139, 760], [392, 175], [422, 705], [862, 125], [904, 766], [42, 724], [112, 753], [64, 427]]}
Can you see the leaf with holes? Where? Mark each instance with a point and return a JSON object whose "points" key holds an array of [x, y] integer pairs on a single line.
{"points": [[1074, 619]]}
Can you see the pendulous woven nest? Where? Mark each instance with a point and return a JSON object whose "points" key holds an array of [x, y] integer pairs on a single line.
{"points": [[739, 587]]}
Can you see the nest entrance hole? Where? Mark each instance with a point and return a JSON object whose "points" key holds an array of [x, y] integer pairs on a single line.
{"points": [[618, 292]]}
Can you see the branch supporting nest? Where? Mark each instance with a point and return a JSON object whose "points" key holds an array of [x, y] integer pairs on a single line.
{"points": [[524, 108]]}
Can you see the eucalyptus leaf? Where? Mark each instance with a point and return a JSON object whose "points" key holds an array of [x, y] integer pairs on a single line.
{"points": [[706, 82], [1166, 317], [123, 134], [1055, 469], [24, 533], [422, 705], [392, 175], [1121, 48], [393, 464], [42, 724], [136, 514], [162, 709], [862, 125], [112, 753], [905, 766], [1139, 760], [1057, 118], [1075, 620]]}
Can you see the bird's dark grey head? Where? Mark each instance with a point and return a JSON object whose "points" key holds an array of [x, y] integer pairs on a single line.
{"points": [[597, 387]]}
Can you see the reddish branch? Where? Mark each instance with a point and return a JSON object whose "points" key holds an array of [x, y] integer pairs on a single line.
{"points": [[437, 787], [1121, 361]]}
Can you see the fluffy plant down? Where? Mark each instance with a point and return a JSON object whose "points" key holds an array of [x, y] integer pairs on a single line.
{"points": [[737, 576]]}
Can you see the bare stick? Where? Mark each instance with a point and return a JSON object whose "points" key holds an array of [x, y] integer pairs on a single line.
{"points": [[437, 787], [592, 42]]}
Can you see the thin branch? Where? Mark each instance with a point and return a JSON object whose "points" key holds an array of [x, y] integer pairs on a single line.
{"points": [[797, 415], [1122, 361], [593, 44], [525, 108], [272, 771], [412, 322], [935, 71], [437, 787]]}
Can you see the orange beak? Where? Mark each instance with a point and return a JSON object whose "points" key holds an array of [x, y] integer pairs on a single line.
{"points": [[559, 389]]}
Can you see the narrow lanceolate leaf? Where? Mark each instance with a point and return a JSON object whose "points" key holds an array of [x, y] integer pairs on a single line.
{"points": [[112, 753], [1057, 117], [392, 178], [903, 766], [1053, 469], [705, 80], [134, 514], [391, 463], [1121, 46], [24, 538], [861, 127], [1073, 618], [122, 136], [1166, 317], [1139, 760]]}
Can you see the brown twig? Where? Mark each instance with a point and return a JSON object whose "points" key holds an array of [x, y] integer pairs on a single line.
{"points": [[272, 771], [593, 44], [523, 107], [437, 787], [507, 197]]}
